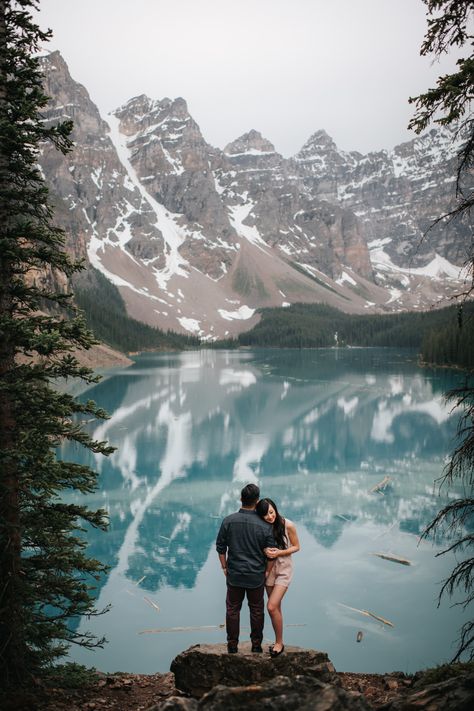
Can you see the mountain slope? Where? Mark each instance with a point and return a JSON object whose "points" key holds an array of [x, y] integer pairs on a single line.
{"points": [[196, 239]]}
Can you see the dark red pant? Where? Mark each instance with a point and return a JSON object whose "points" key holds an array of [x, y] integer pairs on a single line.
{"points": [[234, 600]]}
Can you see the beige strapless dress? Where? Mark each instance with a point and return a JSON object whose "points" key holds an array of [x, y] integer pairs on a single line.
{"points": [[282, 571]]}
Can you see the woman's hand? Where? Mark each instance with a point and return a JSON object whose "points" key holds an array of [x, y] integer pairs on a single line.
{"points": [[272, 553]]}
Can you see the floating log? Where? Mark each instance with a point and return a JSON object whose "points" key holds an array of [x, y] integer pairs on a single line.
{"points": [[394, 558], [344, 518], [367, 613], [201, 628], [151, 603], [381, 485], [183, 629]]}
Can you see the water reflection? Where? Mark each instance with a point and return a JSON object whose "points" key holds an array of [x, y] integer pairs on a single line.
{"points": [[316, 429]]}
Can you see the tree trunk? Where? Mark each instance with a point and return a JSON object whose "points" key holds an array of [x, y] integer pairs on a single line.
{"points": [[12, 644]]}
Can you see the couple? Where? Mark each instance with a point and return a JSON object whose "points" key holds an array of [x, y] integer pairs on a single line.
{"points": [[255, 547]]}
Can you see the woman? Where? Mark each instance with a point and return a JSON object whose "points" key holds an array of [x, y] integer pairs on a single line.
{"points": [[279, 578]]}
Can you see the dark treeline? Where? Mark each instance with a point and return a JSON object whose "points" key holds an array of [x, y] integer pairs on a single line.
{"points": [[106, 316], [443, 336]]}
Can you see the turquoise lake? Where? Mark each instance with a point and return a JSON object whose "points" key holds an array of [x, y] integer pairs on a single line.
{"points": [[317, 430]]}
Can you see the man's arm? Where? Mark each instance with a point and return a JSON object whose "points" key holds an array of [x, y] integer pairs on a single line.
{"points": [[269, 542], [221, 547], [223, 562]]}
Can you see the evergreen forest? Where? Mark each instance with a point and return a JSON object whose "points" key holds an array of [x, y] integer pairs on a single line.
{"points": [[106, 316], [442, 336]]}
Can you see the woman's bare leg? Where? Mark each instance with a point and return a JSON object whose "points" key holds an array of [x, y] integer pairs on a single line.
{"points": [[275, 596]]}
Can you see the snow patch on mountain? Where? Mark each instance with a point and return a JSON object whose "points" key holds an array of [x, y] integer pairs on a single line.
{"points": [[165, 221], [438, 268], [239, 213], [346, 278], [242, 314], [191, 324]]}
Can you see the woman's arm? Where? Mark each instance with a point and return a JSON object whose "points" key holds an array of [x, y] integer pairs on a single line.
{"points": [[294, 541], [293, 548]]}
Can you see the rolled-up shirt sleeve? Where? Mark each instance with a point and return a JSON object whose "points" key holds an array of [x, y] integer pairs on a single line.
{"points": [[269, 540], [221, 540]]}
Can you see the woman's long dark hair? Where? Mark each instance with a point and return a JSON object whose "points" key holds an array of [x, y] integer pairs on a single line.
{"points": [[278, 525]]}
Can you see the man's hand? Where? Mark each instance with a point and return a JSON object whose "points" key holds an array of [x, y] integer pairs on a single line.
{"points": [[224, 570], [272, 553]]}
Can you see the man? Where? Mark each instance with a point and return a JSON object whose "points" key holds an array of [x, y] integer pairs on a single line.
{"points": [[240, 543]]}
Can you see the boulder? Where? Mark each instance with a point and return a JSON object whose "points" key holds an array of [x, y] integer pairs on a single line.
{"points": [[176, 703], [200, 668], [301, 693]]}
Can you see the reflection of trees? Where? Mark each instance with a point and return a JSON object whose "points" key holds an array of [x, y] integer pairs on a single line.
{"points": [[314, 425]]}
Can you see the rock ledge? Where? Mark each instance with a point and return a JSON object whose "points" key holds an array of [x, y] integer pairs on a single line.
{"points": [[200, 668]]}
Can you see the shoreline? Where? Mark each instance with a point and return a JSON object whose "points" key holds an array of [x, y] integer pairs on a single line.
{"points": [[123, 691]]}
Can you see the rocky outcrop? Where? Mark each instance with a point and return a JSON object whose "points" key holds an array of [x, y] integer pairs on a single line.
{"points": [[455, 694], [282, 693], [94, 200], [202, 667], [304, 679]]}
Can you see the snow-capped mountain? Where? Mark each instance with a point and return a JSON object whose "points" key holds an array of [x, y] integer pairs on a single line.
{"points": [[197, 238]]}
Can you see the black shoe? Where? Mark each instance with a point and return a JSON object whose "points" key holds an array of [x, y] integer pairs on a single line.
{"points": [[232, 649], [257, 648], [274, 654]]}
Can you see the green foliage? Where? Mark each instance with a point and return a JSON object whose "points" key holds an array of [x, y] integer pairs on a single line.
{"points": [[443, 672], [452, 344], [46, 577], [106, 316], [71, 676], [449, 103], [450, 24], [316, 325]]}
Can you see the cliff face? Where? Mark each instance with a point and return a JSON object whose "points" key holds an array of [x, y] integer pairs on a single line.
{"points": [[197, 239]]}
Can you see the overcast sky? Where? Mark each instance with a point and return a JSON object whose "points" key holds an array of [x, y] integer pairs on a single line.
{"points": [[283, 67]]}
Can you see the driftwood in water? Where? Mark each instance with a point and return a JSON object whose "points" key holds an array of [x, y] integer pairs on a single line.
{"points": [[393, 558], [183, 629], [367, 613], [201, 627], [379, 488], [151, 603]]}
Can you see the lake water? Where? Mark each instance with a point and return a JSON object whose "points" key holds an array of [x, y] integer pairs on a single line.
{"points": [[317, 429]]}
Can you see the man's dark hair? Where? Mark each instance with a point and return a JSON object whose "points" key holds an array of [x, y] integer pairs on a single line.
{"points": [[250, 494]]}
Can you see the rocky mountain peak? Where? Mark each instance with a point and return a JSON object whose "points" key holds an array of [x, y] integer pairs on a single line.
{"points": [[197, 239], [179, 108], [251, 143], [54, 62], [319, 142]]}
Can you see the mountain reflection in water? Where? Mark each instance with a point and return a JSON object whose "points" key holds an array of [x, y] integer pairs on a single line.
{"points": [[317, 430]]}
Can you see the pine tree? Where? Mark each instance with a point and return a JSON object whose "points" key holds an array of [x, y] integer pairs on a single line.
{"points": [[46, 578], [450, 25]]}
